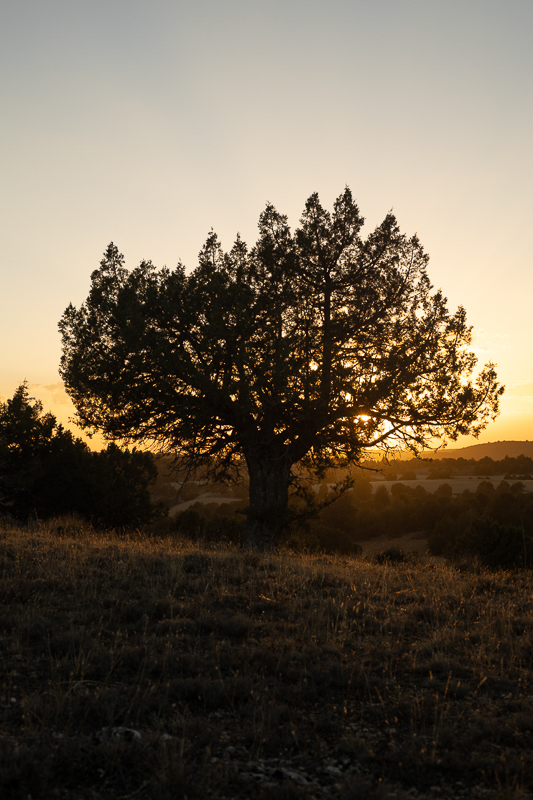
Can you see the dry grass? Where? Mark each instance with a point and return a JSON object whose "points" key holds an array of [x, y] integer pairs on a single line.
{"points": [[249, 676]]}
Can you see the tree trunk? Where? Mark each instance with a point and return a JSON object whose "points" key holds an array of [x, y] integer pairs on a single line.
{"points": [[269, 497]]}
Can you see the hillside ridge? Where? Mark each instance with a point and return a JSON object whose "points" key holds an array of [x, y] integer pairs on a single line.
{"points": [[494, 450]]}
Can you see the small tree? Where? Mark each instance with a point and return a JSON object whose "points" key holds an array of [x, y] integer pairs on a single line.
{"points": [[495, 545], [46, 471], [28, 439], [307, 348]]}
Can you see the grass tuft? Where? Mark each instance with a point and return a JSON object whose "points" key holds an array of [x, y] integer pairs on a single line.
{"points": [[280, 676]]}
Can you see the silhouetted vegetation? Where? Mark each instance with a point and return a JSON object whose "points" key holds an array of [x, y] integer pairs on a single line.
{"points": [[518, 467], [449, 523], [46, 471], [307, 349]]}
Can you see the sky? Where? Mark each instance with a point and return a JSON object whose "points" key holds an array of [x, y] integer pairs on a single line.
{"points": [[149, 123]]}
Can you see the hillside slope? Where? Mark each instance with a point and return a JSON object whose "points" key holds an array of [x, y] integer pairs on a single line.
{"points": [[494, 450]]}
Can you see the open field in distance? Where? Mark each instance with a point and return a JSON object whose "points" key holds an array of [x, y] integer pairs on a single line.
{"points": [[458, 485]]}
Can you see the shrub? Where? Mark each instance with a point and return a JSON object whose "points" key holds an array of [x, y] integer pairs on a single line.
{"points": [[393, 555], [314, 536], [381, 497], [496, 545], [190, 523], [209, 525], [224, 528], [332, 540], [439, 473], [400, 490], [442, 539]]}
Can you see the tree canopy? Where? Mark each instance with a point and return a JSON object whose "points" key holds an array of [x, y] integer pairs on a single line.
{"points": [[45, 471], [308, 348]]}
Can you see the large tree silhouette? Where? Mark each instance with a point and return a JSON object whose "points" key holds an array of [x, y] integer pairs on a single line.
{"points": [[309, 348]]}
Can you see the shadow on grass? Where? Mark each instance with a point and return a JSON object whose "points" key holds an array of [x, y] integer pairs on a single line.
{"points": [[280, 676]]}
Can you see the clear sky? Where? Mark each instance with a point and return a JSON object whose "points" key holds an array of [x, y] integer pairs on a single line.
{"points": [[149, 123]]}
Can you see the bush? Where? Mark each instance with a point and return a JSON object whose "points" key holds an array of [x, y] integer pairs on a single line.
{"points": [[209, 524], [408, 475], [393, 555], [190, 523], [224, 528], [439, 473], [442, 539], [332, 540], [495, 545]]}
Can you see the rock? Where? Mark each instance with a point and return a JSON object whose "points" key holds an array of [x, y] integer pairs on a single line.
{"points": [[109, 734]]}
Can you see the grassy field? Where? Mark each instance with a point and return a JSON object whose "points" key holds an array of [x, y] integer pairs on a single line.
{"points": [[148, 668]]}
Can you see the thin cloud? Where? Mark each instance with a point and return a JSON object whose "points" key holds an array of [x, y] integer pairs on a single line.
{"points": [[54, 392], [489, 344], [522, 389]]}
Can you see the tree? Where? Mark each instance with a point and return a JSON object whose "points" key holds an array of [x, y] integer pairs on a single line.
{"points": [[27, 437], [46, 471], [306, 349]]}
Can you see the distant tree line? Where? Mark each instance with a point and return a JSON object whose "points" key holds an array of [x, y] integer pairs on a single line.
{"points": [[492, 523], [45, 471], [521, 466]]}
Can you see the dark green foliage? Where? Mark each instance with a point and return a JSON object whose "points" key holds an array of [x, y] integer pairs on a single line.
{"points": [[439, 472], [393, 555], [486, 466], [518, 468], [348, 514], [210, 523], [334, 527], [381, 497], [400, 490], [444, 518], [190, 523], [316, 537], [446, 531], [45, 471], [307, 348], [225, 529], [496, 545], [120, 488]]}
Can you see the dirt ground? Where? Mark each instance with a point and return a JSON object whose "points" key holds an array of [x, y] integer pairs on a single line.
{"points": [[206, 498]]}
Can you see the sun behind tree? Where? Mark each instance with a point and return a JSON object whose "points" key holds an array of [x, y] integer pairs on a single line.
{"points": [[308, 348]]}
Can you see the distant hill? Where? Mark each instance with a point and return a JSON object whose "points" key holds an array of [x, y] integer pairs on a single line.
{"points": [[494, 450]]}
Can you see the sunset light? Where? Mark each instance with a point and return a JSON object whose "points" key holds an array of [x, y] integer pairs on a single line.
{"points": [[266, 400], [115, 129]]}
